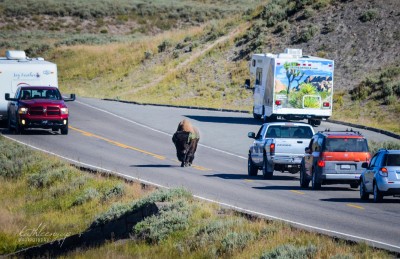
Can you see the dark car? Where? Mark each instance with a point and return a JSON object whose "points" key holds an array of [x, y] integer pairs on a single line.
{"points": [[38, 107], [334, 157]]}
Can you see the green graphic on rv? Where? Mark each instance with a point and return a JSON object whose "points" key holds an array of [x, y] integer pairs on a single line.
{"points": [[303, 84]]}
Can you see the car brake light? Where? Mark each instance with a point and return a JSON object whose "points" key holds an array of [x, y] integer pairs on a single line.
{"points": [[278, 102], [326, 104], [321, 163], [383, 172], [272, 149]]}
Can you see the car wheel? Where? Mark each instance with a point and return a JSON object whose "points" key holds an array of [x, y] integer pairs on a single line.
{"points": [[64, 130], [9, 126], [363, 193], [304, 182], [354, 185], [266, 174], [252, 169], [316, 185], [377, 194]]}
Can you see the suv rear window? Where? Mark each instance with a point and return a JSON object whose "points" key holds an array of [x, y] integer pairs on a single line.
{"points": [[289, 132], [346, 145], [392, 160]]}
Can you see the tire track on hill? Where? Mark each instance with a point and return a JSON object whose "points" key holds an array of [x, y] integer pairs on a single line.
{"points": [[193, 57]]}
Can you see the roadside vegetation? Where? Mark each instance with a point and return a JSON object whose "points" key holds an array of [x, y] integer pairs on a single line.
{"points": [[172, 52], [42, 192]]}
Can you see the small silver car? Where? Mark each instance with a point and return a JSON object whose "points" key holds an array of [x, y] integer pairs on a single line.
{"points": [[381, 176]]}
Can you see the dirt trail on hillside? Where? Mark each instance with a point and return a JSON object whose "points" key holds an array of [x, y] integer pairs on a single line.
{"points": [[194, 56]]}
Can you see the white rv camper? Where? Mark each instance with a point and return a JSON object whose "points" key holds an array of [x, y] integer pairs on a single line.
{"points": [[292, 86], [17, 70]]}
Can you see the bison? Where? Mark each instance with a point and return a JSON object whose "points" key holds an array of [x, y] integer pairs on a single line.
{"points": [[186, 139]]}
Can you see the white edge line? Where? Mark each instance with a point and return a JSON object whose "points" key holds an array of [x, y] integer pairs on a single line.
{"points": [[209, 200], [156, 130]]}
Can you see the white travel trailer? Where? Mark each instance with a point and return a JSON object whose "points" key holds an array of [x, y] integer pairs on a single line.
{"points": [[292, 86], [18, 70]]}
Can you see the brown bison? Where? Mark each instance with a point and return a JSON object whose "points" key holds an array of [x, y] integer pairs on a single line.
{"points": [[186, 139]]}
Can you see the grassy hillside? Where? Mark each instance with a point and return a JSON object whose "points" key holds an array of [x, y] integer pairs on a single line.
{"points": [[196, 52], [43, 194]]}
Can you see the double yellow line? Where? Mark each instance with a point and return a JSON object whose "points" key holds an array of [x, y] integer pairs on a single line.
{"points": [[118, 144]]}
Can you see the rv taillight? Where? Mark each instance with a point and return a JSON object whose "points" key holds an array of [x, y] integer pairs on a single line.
{"points": [[321, 163], [326, 104], [278, 102], [272, 149]]}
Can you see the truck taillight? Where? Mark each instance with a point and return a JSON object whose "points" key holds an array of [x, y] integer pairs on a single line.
{"points": [[326, 104], [278, 102], [272, 149], [383, 172], [321, 163]]}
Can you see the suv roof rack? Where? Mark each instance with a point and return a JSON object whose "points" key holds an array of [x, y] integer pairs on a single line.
{"points": [[347, 130]]}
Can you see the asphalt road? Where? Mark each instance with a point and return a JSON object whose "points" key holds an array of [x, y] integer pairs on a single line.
{"points": [[135, 140]]}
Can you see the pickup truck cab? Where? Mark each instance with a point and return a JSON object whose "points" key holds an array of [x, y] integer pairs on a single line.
{"points": [[278, 146], [38, 107]]}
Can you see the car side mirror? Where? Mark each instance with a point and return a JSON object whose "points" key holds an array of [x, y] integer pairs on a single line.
{"points": [[8, 98], [251, 135], [72, 98], [364, 165]]}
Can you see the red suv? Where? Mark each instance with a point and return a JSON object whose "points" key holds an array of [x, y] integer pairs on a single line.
{"points": [[334, 157], [38, 107]]}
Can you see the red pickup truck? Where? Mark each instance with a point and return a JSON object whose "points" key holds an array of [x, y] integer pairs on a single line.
{"points": [[38, 107]]}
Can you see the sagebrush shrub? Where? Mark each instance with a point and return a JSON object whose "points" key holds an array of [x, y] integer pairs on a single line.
{"points": [[88, 195], [369, 15], [171, 218], [235, 242], [116, 191], [290, 252]]}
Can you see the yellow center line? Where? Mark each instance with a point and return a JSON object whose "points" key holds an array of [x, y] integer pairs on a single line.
{"points": [[355, 206], [118, 144], [247, 180], [85, 133], [298, 192]]}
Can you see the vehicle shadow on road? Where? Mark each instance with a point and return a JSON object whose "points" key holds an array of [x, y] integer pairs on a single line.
{"points": [[279, 187], [225, 119], [154, 166], [234, 176], [30, 132], [358, 200]]}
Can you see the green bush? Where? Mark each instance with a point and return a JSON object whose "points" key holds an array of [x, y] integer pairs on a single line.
{"points": [[369, 15], [308, 13], [164, 45], [88, 195], [171, 218], [118, 210], [117, 191], [282, 27], [37, 49], [235, 242], [290, 252], [306, 34], [274, 13], [396, 88]]}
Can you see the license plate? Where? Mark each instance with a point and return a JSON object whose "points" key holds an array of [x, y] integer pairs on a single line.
{"points": [[345, 167]]}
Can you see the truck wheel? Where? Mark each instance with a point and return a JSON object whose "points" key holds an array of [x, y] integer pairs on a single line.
{"points": [[377, 194], [363, 193], [64, 130], [9, 126], [252, 169], [256, 116], [316, 185], [304, 181], [18, 128], [266, 174]]}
